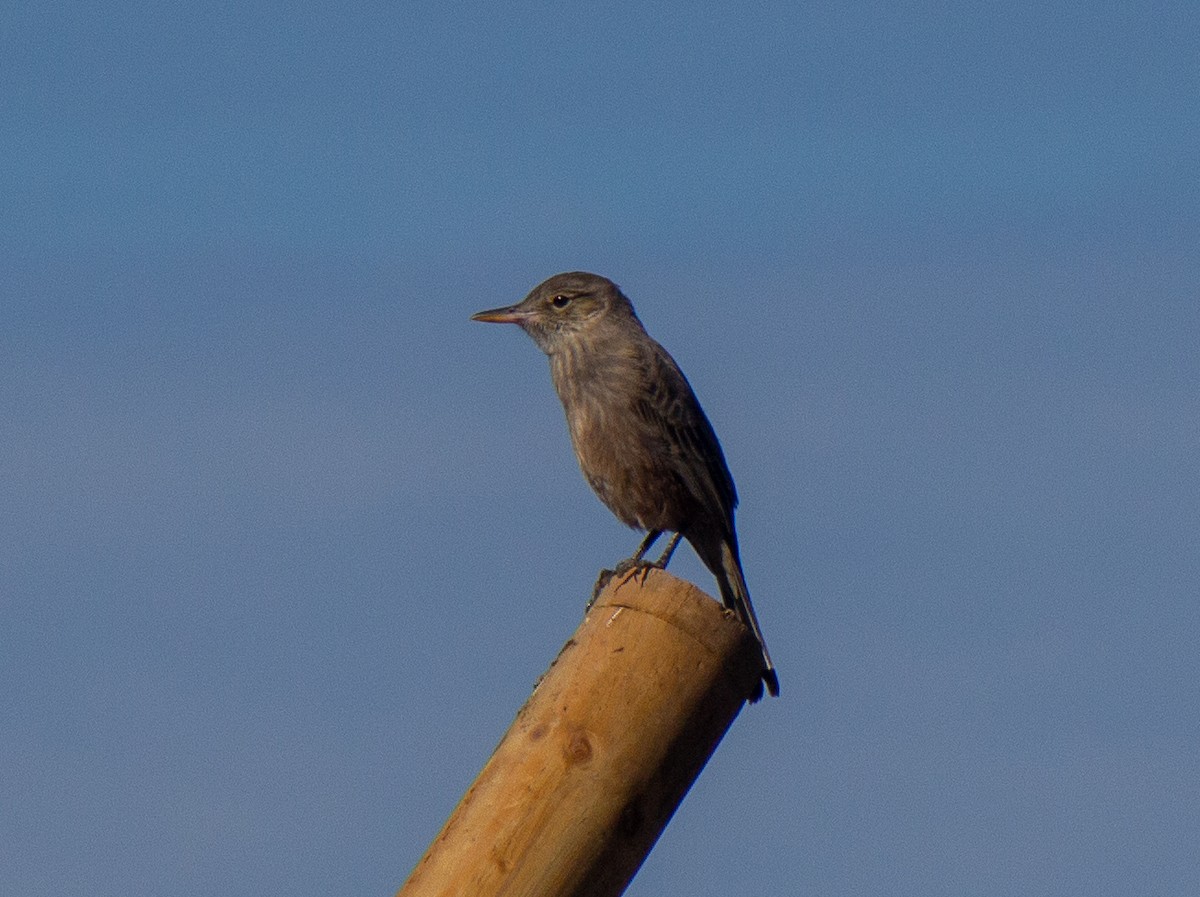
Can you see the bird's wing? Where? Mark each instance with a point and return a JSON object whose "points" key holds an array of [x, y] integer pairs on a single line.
{"points": [[668, 405]]}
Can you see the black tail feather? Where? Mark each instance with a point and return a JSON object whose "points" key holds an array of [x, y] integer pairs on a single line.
{"points": [[736, 596]]}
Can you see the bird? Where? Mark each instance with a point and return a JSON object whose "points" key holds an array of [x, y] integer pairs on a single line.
{"points": [[642, 440]]}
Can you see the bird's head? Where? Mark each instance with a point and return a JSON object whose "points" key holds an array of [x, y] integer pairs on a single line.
{"points": [[567, 308]]}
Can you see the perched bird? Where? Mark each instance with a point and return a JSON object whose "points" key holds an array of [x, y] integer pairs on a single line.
{"points": [[641, 438]]}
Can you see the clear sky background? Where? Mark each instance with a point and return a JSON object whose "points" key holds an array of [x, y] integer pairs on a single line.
{"points": [[285, 540]]}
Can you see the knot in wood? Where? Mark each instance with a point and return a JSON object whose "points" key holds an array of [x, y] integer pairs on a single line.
{"points": [[578, 748]]}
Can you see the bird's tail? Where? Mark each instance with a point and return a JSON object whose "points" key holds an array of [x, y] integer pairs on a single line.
{"points": [[736, 596]]}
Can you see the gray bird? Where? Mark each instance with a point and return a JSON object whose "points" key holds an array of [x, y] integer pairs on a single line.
{"points": [[641, 438]]}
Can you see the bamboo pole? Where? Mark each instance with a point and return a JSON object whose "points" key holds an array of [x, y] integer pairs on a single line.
{"points": [[588, 775]]}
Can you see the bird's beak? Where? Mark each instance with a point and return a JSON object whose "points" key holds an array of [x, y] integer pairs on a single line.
{"points": [[510, 314]]}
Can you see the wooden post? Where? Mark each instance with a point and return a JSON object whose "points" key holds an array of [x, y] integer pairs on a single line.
{"points": [[597, 760]]}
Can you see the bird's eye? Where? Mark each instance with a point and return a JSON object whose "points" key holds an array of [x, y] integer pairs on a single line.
{"points": [[560, 301]]}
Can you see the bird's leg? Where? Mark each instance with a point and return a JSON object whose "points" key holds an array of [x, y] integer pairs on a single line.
{"points": [[647, 544], [644, 567], [636, 562], [665, 557], [633, 563]]}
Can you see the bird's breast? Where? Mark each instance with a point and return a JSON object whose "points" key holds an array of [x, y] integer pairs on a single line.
{"points": [[620, 454], [623, 469]]}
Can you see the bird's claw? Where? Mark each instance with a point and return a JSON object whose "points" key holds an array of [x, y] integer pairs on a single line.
{"points": [[632, 567], [626, 569]]}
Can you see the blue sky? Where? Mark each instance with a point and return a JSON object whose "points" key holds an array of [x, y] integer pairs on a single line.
{"points": [[287, 539]]}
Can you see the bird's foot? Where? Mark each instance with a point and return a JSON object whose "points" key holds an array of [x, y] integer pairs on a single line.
{"points": [[626, 569], [631, 567]]}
